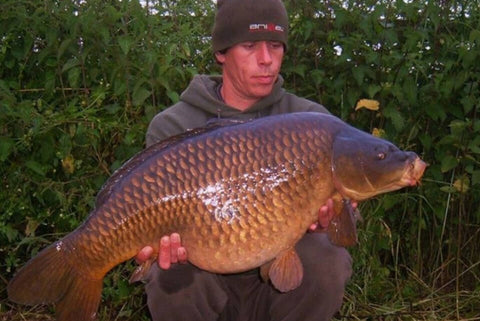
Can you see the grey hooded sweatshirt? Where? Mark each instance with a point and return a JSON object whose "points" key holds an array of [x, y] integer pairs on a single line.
{"points": [[201, 102]]}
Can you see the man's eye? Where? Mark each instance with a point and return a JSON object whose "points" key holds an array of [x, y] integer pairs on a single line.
{"points": [[276, 44]]}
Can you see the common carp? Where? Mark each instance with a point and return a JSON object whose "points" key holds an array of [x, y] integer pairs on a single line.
{"points": [[224, 190]]}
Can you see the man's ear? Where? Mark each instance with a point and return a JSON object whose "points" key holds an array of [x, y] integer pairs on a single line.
{"points": [[220, 57]]}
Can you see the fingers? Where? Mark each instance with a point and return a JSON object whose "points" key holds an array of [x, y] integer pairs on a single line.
{"points": [[321, 223], [144, 254], [171, 251], [313, 227], [178, 254], [175, 244], [326, 214], [182, 255], [164, 253]]}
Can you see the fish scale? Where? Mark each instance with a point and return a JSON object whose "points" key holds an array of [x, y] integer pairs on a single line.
{"points": [[240, 196]]}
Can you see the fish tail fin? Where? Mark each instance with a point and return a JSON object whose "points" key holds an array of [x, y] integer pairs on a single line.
{"points": [[81, 302], [50, 278]]}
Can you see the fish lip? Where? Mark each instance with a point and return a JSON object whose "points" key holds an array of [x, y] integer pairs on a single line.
{"points": [[414, 172]]}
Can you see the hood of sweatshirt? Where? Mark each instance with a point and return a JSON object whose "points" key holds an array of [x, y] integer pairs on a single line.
{"points": [[204, 93]]}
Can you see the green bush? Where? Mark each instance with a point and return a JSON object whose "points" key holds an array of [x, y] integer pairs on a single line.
{"points": [[80, 80]]}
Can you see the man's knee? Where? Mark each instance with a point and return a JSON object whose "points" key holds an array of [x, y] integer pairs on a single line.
{"points": [[325, 265], [185, 293]]}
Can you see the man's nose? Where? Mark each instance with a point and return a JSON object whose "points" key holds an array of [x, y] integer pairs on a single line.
{"points": [[264, 55]]}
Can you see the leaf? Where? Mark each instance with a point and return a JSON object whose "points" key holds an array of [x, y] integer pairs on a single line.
{"points": [[173, 96], [139, 96], [68, 164], [378, 132], [396, 118], [300, 70], [119, 87], [448, 163], [434, 111], [9, 232], [359, 75], [373, 90], [6, 145], [368, 104], [317, 76], [31, 227], [448, 189], [476, 177], [35, 166], [63, 46], [70, 64], [74, 76], [307, 31], [474, 145], [125, 43], [474, 35], [112, 108], [457, 127], [468, 103], [462, 184]]}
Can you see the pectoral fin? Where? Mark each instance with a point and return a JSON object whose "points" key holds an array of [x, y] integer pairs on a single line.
{"points": [[285, 272], [342, 230], [141, 271]]}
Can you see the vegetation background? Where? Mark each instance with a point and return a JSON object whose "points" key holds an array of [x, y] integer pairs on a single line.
{"points": [[80, 80]]}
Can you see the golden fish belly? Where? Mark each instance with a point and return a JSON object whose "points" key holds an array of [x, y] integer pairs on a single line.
{"points": [[250, 227]]}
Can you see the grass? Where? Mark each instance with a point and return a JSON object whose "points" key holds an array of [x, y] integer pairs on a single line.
{"points": [[463, 305]]}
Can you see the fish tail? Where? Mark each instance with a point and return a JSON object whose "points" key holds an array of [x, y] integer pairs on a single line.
{"points": [[81, 302], [50, 278]]}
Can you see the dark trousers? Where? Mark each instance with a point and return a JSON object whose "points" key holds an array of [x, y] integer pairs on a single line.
{"points": [[187, 293]]}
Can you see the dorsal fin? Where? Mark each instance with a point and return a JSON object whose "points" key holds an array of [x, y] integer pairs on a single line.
{"points": [[145, 154]]}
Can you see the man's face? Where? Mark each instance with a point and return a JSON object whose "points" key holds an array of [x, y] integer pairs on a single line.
{"points": [[250, 69]]}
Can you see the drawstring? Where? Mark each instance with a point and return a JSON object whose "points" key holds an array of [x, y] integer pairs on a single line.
{"points": [[218, 91]]}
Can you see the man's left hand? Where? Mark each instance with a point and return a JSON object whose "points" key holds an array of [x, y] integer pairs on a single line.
{"points": [[325, 215]]}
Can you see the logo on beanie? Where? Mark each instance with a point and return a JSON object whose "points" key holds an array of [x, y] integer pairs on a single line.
{"points": [[270, 27]]}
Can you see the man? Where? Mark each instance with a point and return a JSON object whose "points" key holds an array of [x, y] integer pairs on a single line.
{"points": [[249, 41]]}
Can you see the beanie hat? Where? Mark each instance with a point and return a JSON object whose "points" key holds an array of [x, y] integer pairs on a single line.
{"points": [[249, 20]]}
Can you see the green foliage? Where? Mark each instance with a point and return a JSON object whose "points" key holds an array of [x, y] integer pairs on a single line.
{"points": [[80, 80], [419, 60]]}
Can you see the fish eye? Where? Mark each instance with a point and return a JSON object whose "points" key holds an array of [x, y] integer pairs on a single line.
{"points": [[381, 156]]}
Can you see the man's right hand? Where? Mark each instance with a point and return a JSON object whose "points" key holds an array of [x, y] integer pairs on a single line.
{"points": [[170, 251]]}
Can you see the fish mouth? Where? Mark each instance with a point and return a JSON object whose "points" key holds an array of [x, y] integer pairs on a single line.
{"points": [[414, 173]]}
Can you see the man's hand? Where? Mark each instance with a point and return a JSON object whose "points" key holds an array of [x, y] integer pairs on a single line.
{"points": [[170, 251], [325, 215]]}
